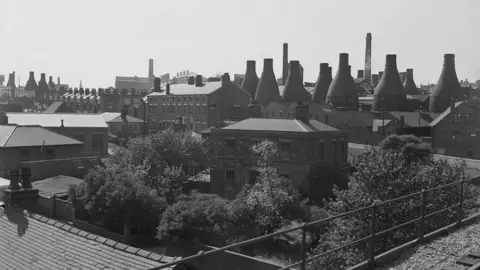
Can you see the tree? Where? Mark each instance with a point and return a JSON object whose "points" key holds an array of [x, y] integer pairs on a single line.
{"points": [[412, 147], [272, 198], [113, 196], [203, 217], [383, 175]]}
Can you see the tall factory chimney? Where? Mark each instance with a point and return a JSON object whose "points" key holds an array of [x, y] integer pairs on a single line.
{"points": [[285, 63], [151, 78], [368, 58]]}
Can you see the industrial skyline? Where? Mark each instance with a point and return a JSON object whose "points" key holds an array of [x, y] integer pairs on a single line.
{"points": [[121, 47]]}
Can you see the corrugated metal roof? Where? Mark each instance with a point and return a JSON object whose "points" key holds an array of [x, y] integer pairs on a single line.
{"points": [[288, 125], [55, 120], [32, 136], [186, 89]]}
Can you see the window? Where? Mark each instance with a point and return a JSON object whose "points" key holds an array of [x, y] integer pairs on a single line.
{"points": [[230, 147], [334, 148], [229, 179], [343, 146], [320, 149], [50, 153], [457, 118], [285, 150], [24, 155], [97, 141], [468, 118], [456, 134]]}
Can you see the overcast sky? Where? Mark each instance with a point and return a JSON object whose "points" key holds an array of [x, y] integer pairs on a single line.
{"points": [[94, 41]]}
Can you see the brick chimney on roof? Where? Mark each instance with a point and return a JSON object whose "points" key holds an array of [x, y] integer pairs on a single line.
{"points": [[191, 80], [15, 194], [198, 80], [302, 112], [156, 84], [225, 79], [254, 109]]}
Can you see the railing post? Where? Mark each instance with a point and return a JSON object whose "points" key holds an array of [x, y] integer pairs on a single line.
{"points": [[421, 226], [460, 205], [371, 244], [304, 246]]}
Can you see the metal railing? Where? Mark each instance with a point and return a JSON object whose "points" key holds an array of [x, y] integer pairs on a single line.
{"points": [[370, 239]]}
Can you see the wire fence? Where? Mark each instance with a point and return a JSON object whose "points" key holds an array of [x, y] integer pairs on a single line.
{"points": [[369, 240]]}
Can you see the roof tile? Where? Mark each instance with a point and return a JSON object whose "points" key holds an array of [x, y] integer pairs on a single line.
{"points": [[92, 236], [58, 224], [55, 119], [143, 253], [101, 239], [74, 230], [66, 227], [120, 246], [155, 256], [132, 250]]}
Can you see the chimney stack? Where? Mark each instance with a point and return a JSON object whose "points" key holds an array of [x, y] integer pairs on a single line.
{"points": [[167, 88], [191, 80], [368, 57], [267, 89], [342, 91], [285, 64], [321, 85], [293, 89], [409, 83], [3, 118], [389, 93], [374, 79], [58, 80], [360, 74], [447, 86], [156, 84], [250, 81], [198, 80], [225, 79], [302, 112], [254, 109], [151, 77], [31, 84]]}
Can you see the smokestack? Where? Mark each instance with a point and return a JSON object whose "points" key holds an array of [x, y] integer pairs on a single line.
{"points": [[321, 85], [447, 86], [368, 57], [167, 88], [250, 81], [198, 81], [225, 79], [293, 89], [360, 74], [409, 83], [342, 92], [31, 84], [267, 89], [285, 63], [156, 85], [151, 77], [389, 93], [58, 80]]}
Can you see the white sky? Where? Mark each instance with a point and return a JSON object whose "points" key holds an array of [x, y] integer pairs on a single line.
{"points": [[94, 41]]}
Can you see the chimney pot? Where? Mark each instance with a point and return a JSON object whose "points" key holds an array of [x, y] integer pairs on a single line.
{"points": [[14, 176]]}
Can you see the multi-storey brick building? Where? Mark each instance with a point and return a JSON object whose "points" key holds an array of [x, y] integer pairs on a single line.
{"points": [[309, 151], [201, 105]]}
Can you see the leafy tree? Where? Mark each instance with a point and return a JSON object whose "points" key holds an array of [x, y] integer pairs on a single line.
{"points": [[272, 198], [115, 195], [384, 175], [412, 147], [204, 217]]}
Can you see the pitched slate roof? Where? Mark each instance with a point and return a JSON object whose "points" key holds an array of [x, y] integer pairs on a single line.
{"points": [[55, 119], [57, 185], [55, 106], [32, 241], [111, 117], [186, 89], [444, 114], [289, 125], [25, 136], [131, 79]]}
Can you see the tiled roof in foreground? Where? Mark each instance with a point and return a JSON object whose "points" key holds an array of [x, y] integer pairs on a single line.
{"points": [[31, 241]]}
